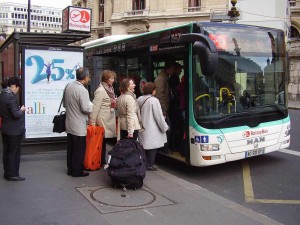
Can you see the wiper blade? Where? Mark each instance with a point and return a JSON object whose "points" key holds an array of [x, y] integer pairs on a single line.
{"points": [[218, 121], [282, 110]]}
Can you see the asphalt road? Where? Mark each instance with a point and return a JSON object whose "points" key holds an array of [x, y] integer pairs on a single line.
{"points": [[268, 184]]}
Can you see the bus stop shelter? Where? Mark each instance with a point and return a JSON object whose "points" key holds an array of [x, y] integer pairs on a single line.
{"points": [[45, 63]]}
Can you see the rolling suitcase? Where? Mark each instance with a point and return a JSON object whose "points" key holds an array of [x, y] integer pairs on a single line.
{"points": [[127, 164], [94, 139]]}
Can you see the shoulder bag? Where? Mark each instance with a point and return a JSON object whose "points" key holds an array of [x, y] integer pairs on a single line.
{"points": [[59, 120]]}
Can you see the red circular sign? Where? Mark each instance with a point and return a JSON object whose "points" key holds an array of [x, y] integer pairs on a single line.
{"points": [[82, 16]]}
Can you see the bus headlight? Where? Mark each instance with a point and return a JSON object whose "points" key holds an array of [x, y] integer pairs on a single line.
{"points": [[287, 132], [212, 147]]}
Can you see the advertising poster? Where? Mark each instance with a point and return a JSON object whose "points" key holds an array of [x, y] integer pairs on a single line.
{"points": [[46, 73]]}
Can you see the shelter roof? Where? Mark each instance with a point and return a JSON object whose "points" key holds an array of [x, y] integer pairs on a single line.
{"points": [[55, 39]]}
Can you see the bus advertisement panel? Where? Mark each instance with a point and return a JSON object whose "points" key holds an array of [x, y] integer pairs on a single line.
{"points": [[47, 71]]}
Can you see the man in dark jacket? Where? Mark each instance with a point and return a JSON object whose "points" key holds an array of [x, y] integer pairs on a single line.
{"points": [[13, 128]]}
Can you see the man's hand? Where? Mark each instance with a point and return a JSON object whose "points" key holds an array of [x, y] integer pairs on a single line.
{"points": [[23, 109]]}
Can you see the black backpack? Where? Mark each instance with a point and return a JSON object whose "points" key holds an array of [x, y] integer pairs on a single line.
{"points": [[127, 165]]}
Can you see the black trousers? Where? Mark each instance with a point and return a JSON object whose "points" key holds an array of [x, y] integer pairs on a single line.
{"points": [[75, 153], [124, 134], [176, 132], [11, 154], [150, 155]]}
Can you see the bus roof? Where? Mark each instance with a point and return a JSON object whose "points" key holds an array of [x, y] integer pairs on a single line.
{"points": [[107, 39], [113, 38]]}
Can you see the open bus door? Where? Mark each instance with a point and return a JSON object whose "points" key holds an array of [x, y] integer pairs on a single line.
{"points": [[207, 52]]}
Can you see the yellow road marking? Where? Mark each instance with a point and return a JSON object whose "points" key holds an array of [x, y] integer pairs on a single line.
{"points": [[249, 194]]}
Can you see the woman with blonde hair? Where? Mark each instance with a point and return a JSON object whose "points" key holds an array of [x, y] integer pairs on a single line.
{"points": [[128, 110], [103, 113]]}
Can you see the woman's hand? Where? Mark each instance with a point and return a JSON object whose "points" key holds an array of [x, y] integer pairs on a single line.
{"points": [[130, 136]]}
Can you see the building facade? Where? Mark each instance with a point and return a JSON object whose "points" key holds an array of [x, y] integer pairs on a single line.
{"points": [[294, 51], [13, 17]]}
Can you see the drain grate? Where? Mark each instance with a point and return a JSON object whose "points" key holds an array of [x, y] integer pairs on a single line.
{"points": [[109, 200]]}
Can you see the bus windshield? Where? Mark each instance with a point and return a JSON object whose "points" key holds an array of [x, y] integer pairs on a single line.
{"points": [[250, 78]]}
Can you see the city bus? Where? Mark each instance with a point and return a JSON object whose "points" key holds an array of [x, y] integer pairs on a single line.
{"points": [[235, 87]]}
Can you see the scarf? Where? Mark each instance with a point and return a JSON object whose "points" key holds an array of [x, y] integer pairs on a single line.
{"points": [[109, 90]]}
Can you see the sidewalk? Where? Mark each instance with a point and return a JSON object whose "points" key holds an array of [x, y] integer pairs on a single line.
{"points": [[294, 104], [49, 197]]}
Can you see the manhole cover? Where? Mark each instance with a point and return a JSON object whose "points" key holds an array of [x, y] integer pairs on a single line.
{"points": [[110, 200], [119, 198]]}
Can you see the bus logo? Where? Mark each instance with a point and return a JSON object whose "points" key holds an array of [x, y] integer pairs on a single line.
{"points": [[255, 140], [246, 134]]}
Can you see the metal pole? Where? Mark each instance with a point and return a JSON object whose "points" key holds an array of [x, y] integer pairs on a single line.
{"points": [[28, 16]]}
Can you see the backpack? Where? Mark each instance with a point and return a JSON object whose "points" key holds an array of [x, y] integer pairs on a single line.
{"points": [[127, 164]]}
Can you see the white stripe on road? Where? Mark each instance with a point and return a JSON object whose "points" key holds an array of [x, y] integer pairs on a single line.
{"points": [[291, 152]]}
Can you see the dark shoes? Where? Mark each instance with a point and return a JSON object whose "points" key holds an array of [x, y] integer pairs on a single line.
{"points": [[152, 168], [83, 174], [14, 178]]}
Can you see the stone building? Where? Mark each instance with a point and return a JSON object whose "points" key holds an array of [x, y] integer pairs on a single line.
{"points": [[294, 51]]}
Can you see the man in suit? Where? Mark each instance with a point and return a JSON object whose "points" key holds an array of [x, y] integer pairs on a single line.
{"points": [[13, 129], [78, 106]]}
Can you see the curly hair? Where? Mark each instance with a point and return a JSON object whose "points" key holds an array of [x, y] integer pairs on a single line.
{"points": [[107, 74]]}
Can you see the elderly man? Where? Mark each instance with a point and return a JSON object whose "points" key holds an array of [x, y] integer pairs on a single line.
{"points": [[78, 106]]}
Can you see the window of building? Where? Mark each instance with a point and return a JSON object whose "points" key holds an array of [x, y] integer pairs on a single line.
{"points": [[138, 4], [294, 33], [101, 11], [12, 15], [194, 5], [21, 30]]}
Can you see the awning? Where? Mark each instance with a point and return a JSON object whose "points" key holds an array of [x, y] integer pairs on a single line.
{"points": [[43, 38]]}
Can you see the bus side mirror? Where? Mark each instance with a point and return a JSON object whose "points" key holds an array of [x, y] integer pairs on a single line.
{"points": [[206, 50]]}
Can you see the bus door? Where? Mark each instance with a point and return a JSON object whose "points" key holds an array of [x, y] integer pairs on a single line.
{"points": [[177, 119]]}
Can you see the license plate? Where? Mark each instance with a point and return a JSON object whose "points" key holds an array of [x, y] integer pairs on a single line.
{"points": [[255, 152]]}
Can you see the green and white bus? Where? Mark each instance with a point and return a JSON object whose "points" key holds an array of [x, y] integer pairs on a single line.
{"points": [[243, 110]]}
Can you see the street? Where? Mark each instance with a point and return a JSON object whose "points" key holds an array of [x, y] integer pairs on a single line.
{"points": [[268, 184]]}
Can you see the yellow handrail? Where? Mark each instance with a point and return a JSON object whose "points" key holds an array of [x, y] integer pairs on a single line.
{"points": [[201, 96]]}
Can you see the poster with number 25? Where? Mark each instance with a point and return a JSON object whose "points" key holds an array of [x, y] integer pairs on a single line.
{"points": [[47, 71]]}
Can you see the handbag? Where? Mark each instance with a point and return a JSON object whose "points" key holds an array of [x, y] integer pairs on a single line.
{"points": [[59, 120]]}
